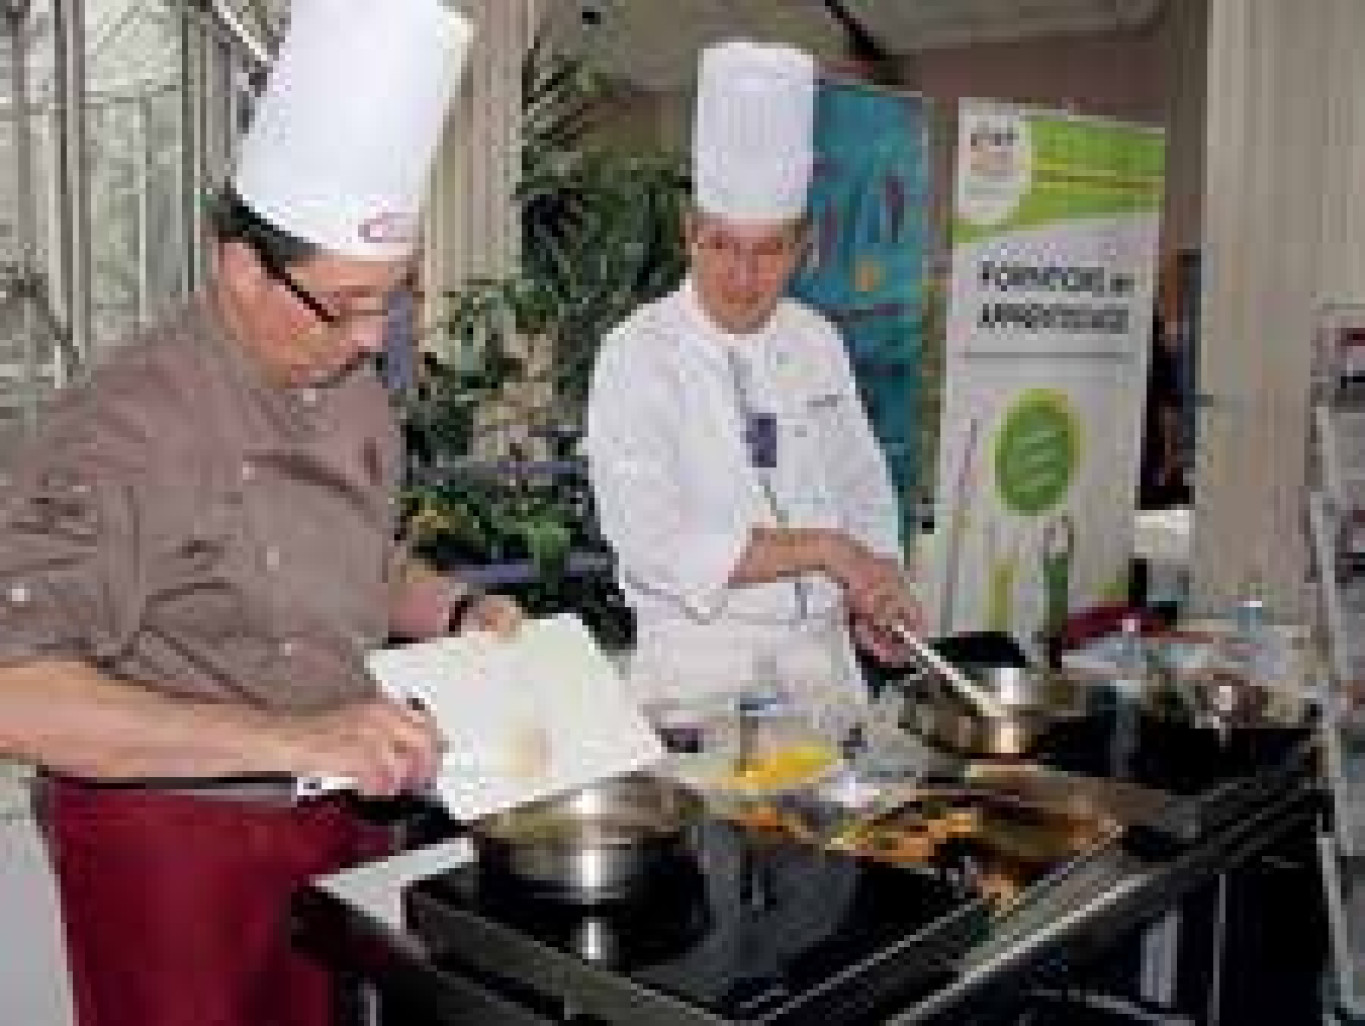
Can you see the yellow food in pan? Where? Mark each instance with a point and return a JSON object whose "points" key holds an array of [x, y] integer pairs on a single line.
{"points": [[789, 766]]}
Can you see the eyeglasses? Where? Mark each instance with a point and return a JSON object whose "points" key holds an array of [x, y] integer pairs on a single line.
{"points": [[768, 251], [326, 314], [277, 271]]}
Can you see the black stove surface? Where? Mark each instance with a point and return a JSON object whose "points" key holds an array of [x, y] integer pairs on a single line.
{"points": [[1126, 743], [752, 930]]}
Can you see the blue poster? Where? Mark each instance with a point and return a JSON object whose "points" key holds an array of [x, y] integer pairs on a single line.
{"points": [[866, 265]]}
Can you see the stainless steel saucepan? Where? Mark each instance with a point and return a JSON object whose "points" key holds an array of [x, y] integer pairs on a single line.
{"points": [[1025, 702], [598, 843], [963, 732]]}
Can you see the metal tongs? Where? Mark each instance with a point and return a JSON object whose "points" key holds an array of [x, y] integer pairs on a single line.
{"points": [[977, 697]]}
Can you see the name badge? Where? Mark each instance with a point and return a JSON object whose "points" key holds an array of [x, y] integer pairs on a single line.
{"points": [[760, 435]]}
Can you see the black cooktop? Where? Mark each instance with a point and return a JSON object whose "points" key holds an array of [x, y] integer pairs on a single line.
{"points": [[1125, 743], [745, 930]]}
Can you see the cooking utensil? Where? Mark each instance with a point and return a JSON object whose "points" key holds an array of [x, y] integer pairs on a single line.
{"points": [[1039, 701], [995, 822], [980, 700], [966, 733], [747, 741], [597, 843], [1021, 703], [1041, 834], [319, 785], [1017, 687], [1077, 794], [302, 788]]}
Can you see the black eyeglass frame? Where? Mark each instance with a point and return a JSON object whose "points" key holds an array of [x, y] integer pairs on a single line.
{"points": [[278, 271]]}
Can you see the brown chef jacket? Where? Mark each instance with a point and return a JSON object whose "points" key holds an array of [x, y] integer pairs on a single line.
{"points": [[181, 523]]}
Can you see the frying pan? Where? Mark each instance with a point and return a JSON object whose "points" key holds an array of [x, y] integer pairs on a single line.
{"points": [[1027, 701], [602, 842]]}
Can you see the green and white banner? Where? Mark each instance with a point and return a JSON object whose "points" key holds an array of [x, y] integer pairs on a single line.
{"points": [[1055, 229]]}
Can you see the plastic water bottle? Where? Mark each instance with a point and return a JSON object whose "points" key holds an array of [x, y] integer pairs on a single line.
{"points": [[1249, 613], [1248, 650], [1130, 662], [1130, 682]]}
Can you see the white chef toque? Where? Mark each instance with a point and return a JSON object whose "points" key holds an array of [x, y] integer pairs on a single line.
{"points": [[342, 140], [752, 142]]}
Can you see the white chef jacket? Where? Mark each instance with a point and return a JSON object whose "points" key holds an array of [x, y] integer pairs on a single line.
{"points": [[677, 493]]}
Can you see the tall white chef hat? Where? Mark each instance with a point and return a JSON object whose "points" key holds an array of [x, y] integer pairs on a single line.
{"points": [[752, 142], [342, 140]]}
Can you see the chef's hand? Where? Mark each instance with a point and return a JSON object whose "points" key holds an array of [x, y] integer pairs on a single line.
{"points": [[497, 613], [385, 747], [429, 605], [879, 599], [885, 646]]}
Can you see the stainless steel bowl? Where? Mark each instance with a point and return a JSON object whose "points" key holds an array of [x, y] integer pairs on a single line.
{"points": [[599, 843]]}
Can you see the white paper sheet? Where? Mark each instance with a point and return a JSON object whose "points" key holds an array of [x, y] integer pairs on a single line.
{"points": [[526, 717]]}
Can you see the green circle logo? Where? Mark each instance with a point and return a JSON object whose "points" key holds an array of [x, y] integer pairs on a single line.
{"points": [[1037, 450]]}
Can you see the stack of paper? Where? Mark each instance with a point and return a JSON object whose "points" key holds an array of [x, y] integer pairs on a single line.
{"points": [[523, 717]]}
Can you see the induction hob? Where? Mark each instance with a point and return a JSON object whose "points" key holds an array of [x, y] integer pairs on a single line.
{"points": [[746, 930]]}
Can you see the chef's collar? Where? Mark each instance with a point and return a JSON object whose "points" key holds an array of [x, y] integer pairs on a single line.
{"points": [[706, 328]]}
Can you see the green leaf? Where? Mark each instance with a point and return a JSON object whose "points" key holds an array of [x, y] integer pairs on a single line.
{"points": [[601, 233]]}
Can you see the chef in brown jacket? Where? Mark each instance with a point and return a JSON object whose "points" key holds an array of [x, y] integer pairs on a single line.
{"points": [[196, 552]]}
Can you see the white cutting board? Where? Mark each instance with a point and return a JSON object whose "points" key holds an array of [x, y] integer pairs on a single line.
{"points": [[523, 717]]}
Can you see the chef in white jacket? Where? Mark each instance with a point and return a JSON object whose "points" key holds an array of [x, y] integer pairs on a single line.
{"points": [[734, 469]]}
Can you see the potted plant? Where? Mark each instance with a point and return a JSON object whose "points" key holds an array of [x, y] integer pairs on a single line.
{"points": [[601, 233]]}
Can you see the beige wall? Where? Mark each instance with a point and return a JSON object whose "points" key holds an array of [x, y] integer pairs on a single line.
{"points": [[1284, 231], [1150, 75], [1115, 74], [471, 223], [639, 121]]}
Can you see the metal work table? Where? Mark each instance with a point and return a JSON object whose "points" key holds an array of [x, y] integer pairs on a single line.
{"points": [[1110, 898]]}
